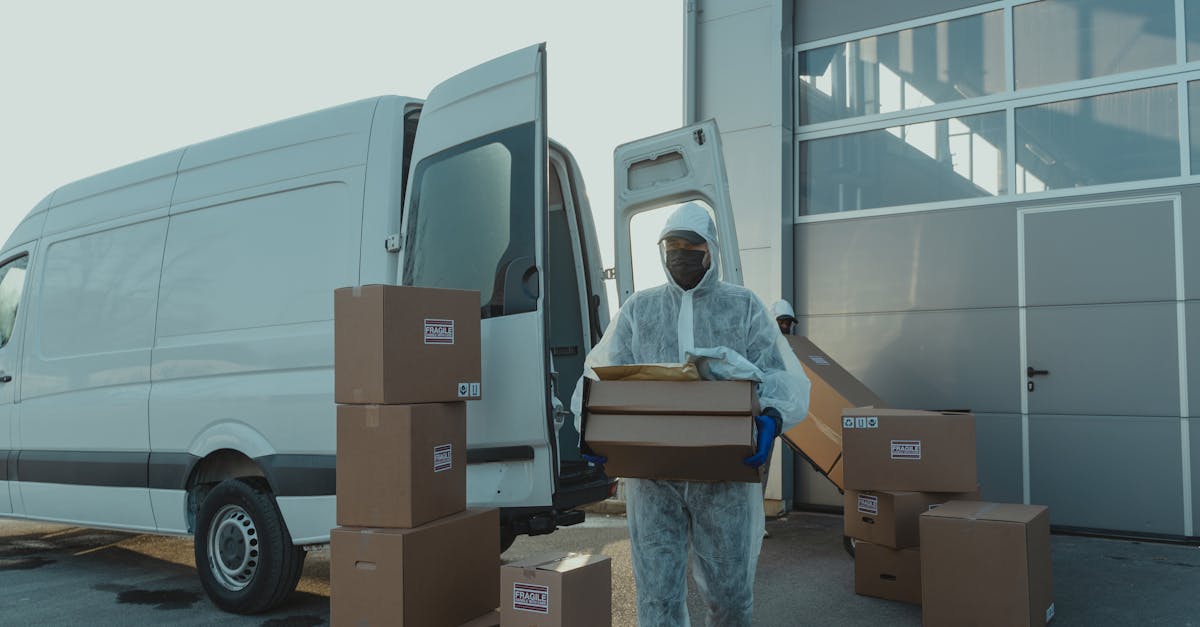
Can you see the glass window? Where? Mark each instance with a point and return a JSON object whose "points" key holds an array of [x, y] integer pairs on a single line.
{"points": [[472, 225], [12, 281], [1126, 136], [1191, 22], [1065, 40], [912, 68], [1194, 123], [933, 161]]}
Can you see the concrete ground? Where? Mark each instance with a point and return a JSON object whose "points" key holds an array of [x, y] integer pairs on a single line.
{"points": [[54, 575]]}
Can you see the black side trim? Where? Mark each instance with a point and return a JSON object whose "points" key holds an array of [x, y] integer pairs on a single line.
{"points": [[300, 475], [169, 471], [499, 454], [10, 466], [99, 468], [4, 465]]}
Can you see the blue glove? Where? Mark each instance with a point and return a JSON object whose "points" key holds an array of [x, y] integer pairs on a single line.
{"points": [[769, 425], [595, 460]]}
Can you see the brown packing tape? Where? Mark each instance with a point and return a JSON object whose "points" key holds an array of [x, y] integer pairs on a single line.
{"points": [[356, 291], [984, 510], [826, 429]]}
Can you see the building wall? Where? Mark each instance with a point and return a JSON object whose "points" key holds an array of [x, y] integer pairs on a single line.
{"points": [[967, 189]]}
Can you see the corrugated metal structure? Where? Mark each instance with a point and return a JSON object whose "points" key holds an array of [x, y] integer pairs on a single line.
{"points": [[957, 195]]}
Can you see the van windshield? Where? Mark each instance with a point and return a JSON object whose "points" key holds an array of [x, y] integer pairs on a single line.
{"points": [[471, 225]]}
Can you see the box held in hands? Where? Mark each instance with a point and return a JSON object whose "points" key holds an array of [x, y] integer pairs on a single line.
{"points": [[685, 430]]}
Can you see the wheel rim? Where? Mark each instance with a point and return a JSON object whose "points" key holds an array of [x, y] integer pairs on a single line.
{"points": [[233, 554]]}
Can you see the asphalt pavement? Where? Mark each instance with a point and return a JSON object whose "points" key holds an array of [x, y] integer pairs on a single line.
{"points": [[55, 575]]}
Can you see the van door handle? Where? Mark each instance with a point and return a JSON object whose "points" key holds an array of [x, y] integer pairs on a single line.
{"points": [[1030, 371], [5, 378]]}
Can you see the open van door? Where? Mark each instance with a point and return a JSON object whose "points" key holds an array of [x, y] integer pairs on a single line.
{"points": [[474, 218], [659, 172]]}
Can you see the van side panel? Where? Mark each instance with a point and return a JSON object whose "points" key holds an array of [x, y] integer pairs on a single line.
{"points": [[129, 190], [265, 225], [85, 376]]}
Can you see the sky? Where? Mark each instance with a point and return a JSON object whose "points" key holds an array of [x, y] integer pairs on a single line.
{"points": [[89, 86]]}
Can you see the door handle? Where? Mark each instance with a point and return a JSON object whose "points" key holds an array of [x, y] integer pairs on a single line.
{"points": [[1030, 371], [5, 378]]}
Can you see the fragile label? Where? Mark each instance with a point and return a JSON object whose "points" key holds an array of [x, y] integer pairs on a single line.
{"points": [[443, 458], [868, 504], [464, 389], [439, 331], [872, 422], [818, 360], [906, 449], [529, 597]]}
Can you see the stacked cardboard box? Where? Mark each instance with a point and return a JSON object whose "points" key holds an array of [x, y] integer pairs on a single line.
{"points": [[819, 436], [898, 464], [407, 550], [686, 430]]}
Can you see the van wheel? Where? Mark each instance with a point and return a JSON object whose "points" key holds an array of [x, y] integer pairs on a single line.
{"points": [[244, 554]]}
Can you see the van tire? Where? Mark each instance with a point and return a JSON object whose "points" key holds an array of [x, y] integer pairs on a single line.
{"points": [[244, 553]]}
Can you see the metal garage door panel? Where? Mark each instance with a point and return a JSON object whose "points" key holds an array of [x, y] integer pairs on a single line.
{"points": [[1192, 314], [926, 260], [998, 446], [1194, 436], [1108, 472], [1091, 255], [932, 359], [1104, 359]]}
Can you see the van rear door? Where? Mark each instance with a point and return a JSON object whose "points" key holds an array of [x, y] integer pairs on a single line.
{"points": [[474, 218], [668, 169]]}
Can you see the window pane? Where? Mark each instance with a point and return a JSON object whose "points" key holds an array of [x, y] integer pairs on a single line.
{"points": [[912, 68], [1191, 10], [12, 280], [472, 222], [1194, 123], [1126, 136], [931, 161], [1066, 40]]}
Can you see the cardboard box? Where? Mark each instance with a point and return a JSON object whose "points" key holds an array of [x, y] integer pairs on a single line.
{"points": [[887, 573], [819, 435], [835, 475], [986, 564], [395, 345], [892, 518], [491, 619], [908, 449], [686, 430], [400, 465], [444, 573], [557, 591]]}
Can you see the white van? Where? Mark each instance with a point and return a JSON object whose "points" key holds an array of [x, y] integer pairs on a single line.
{"points": [[166, 328]]}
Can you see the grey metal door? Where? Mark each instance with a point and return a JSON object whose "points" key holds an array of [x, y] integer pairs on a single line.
{"points": [[1102, 365]]}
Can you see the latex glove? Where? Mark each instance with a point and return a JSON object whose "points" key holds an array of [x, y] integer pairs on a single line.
{"points": [[769, 425], [595, 460]]}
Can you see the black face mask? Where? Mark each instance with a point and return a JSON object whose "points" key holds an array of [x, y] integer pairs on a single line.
{"points": [[686, 267]]}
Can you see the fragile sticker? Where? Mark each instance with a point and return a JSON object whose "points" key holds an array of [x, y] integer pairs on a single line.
{"points": [[868, 504], [439, 331], [872, 422], [906, 449], [464, 389], [443, 457], [529, 597]]}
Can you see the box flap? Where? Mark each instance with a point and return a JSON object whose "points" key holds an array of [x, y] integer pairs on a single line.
{"points": [[818, 364], [559, 563], [671, 397], [668, 430], [983, 510]]}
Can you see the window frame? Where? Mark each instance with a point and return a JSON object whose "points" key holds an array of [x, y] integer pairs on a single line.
{"points": [[24, 254], [1179, 74]]}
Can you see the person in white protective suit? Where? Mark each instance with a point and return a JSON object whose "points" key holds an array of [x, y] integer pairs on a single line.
{"points": [[722, 521], [785, 316]]}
